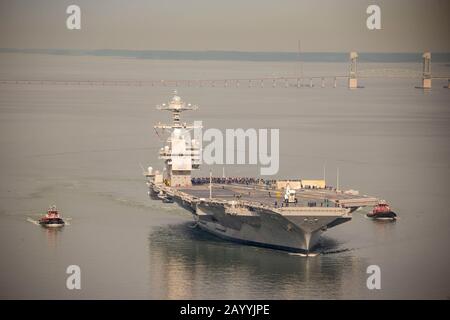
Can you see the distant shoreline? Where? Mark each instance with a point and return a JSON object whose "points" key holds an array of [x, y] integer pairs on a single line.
{"points": [[239, 55]]}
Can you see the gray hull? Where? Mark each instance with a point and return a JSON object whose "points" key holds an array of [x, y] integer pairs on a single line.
{"points": [[295, 230]]}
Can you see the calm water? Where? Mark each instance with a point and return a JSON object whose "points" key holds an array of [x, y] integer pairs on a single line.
{"points": [[80, 147]]}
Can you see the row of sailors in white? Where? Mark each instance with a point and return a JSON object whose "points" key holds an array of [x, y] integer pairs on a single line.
{"points": [[230, 180]]}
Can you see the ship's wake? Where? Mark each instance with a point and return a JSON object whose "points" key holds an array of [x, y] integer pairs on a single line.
{"points": [[33, 221], [36, 222]]}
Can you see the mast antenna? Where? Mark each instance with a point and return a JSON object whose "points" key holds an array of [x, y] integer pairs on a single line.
{"points": [[210, 184]]}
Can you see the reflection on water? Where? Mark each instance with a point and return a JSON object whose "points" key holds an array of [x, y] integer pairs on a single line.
{"points": [[52, 235], [189, 263], [384, 230]]}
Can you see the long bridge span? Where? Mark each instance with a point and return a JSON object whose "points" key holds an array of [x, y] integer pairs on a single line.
{"points": [[350, 80], [287, 82]]}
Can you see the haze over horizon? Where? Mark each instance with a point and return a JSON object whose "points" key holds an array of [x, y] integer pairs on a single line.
{"points": [[250, 26]]}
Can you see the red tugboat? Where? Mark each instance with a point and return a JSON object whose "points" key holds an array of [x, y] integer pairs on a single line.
{"points": [[52, 219], [382, 211]]}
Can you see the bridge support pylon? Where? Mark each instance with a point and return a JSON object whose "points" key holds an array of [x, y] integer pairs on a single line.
{"points": [[426, 71], [426, 75], [353, 74]]}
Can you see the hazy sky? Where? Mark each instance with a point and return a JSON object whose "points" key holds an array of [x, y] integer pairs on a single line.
{"points": [[243, 25]]}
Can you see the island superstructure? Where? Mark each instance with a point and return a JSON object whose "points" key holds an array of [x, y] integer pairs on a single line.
{"points": [[282, 214]]}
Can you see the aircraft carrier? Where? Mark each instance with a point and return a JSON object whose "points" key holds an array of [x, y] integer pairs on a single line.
{"points": [[281, 214]]}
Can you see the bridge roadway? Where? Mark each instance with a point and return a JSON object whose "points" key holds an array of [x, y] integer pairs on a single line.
{"points": [[285, 82]]}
